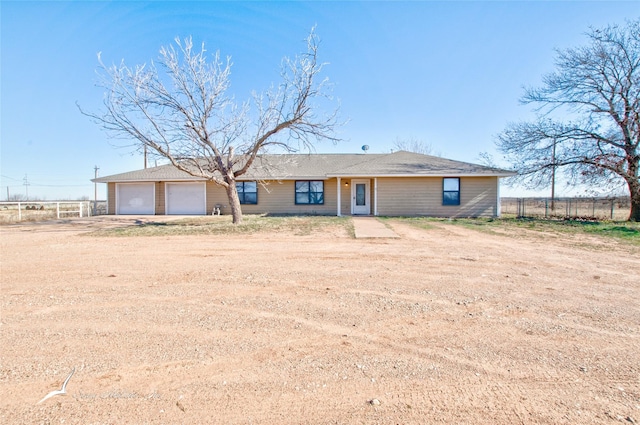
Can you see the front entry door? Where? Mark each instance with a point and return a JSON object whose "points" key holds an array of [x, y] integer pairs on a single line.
{"points": [[360, 197]]}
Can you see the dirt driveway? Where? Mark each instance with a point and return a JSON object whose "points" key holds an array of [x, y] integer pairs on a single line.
{"points": [[443, 325]]}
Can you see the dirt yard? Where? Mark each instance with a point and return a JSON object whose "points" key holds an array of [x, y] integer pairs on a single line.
{"points": [[442, 325]]}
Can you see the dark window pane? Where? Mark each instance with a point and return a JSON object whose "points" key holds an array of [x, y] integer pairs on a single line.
{"points": [[360, 194], [250, 197], [451, 198], [317, 198], [316, 186]]}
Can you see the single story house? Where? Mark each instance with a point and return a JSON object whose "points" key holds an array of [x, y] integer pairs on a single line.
{"points": [[394, 184]]}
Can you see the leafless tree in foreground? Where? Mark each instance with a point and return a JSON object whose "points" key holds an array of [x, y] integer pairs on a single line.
{"points": [[177, 108], [588, 125]]}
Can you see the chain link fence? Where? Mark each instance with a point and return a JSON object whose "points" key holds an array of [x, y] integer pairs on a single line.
{"points": [[568, 208]]}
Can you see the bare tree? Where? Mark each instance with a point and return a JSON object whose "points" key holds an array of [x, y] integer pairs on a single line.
{"points": [[588, 124], [414, 145], [178, 109], [486, 159]]}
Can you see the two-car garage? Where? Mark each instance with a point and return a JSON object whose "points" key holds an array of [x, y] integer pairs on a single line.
{"points": [[181, 198]]}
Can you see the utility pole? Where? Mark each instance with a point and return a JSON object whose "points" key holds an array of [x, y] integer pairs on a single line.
{"points": [[95, 184], [553, 178], [26, 186]]}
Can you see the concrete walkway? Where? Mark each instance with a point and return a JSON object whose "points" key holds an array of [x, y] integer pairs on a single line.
{"points": [[371, 227]]}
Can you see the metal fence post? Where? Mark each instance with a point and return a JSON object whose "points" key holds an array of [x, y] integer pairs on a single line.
{"points": [[546, 208], [612, 209], [520, 207]]}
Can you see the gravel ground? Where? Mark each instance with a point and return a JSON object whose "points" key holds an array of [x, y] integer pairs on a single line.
{"points": [[441, 325]]}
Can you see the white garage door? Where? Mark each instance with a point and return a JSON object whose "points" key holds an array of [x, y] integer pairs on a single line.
{"points": [[135, 198], [186, 198]]}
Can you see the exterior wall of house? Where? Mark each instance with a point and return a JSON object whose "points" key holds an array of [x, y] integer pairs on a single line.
{"points": [[160, 198], [423, 197], [345, 197], [278, 197], [216, 195], [401, 196], [111, 198]]}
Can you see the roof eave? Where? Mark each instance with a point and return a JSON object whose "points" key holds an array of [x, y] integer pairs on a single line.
{"points": [[147, 180], [452, 174], [325, 177]]}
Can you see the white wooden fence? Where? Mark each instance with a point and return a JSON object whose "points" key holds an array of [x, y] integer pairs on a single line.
{"points": [[41, 210]]}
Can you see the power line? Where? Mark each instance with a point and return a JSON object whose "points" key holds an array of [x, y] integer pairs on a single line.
{"points": [[48, 185], [10, 178], [60, 185]]}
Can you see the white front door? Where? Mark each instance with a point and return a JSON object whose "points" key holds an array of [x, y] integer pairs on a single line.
{"points": [[360, 197]]}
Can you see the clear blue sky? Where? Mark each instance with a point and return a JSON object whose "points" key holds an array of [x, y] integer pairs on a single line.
{"points": [[447, 73]]}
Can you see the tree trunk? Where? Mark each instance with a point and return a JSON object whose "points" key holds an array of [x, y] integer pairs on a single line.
{"points": [[634, 191], [234, 201]]}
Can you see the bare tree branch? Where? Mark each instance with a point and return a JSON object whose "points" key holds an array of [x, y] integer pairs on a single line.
{"points": [[595, 91], [177, 108], [412, 144]]}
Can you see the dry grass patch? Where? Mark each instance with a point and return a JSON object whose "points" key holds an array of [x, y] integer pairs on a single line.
{"points": [[621, 231], [222, 225]]}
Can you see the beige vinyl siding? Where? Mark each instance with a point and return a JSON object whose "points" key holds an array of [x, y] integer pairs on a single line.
{"points": [[217, 195], [345, 197], [399, 196], [479, 197], [372, 196], [423, 196], [278, 197], [160, 198], [111, 198]]}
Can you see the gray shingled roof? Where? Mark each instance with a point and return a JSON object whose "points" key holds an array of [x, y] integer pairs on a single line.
{"points": [[322, 166]]}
